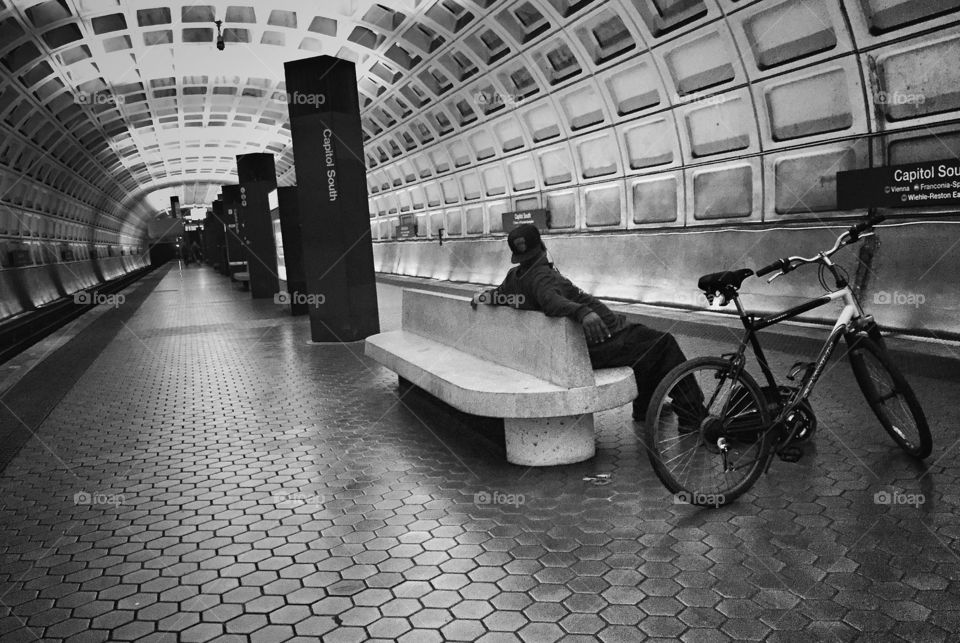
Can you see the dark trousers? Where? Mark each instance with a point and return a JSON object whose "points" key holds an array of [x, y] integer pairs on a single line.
{"points": [[651, 354]]}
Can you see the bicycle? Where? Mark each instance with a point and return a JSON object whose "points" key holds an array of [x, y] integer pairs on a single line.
{"points": [[709, 452]]}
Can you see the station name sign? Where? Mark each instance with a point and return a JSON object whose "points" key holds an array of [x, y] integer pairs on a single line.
{"points": [[539, 218], [330, 162], [918, 185]]}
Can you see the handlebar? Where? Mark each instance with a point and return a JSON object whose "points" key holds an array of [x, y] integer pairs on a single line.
{"points": [[779, 264], [851, 235], [873, 220]]}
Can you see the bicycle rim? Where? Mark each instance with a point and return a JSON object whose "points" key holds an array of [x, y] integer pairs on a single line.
{"points": [[690, 463], [890, 396]]}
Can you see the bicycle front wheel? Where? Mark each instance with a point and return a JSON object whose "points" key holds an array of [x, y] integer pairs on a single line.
{"points": [[707, 451], [890, 396]]}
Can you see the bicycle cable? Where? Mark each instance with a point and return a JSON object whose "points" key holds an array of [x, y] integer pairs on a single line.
{"points": [[822, 276]]}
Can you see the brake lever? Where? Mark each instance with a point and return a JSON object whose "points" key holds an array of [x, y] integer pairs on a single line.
{"points": [[779, 274]]}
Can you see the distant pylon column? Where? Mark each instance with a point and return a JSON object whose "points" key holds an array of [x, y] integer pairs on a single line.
{"points": [[258, 178], [332, 186], [231, 212], [219, 241]]}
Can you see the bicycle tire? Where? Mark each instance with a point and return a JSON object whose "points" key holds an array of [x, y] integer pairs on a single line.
{"points": [[867, 360], [751, 413]]}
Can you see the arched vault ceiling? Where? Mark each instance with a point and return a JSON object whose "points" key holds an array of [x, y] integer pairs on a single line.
{"points": [[134, 96], [112, 101]]}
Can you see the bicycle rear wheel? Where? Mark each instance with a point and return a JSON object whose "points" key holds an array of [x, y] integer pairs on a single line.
{"points": [[890, 396], [687, 456]]}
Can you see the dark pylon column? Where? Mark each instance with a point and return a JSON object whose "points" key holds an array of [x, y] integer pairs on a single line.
{"points": [[236, 258], [210, 226], [332, 186], [219, 240], [258, 178], [293, 249]]}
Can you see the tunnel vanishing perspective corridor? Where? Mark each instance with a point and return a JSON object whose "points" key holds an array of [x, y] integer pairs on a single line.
{"points": [[211, 477], [206, 206]]}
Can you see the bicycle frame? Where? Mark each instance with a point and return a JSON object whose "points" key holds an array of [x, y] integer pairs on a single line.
{"points": [[850, 320]]}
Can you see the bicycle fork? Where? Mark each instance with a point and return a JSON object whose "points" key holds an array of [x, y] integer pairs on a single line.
{"points": [[851, 320]]}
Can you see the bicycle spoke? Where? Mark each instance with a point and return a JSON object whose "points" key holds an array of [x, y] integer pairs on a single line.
{"points": [[681, 454], [694, 460], [684, 475], [740, 411], [684, 468]]}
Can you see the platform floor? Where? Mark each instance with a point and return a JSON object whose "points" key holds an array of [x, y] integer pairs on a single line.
{"points": [[199, 472]]}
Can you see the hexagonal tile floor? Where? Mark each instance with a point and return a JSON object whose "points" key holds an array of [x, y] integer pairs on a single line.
{"points": [[214, 477]]}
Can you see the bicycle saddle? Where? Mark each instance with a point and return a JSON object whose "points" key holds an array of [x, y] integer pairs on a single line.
{"points": [[722, 281]]}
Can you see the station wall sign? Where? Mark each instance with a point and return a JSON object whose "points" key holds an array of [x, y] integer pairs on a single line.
{"points": [[406, 231], [539, 218], [919, 185]]}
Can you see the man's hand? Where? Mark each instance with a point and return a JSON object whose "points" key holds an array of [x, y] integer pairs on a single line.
{"points": [[594, 328]]}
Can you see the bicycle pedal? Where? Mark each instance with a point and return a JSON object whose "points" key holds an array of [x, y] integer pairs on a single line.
{"points": [[790, 453]]}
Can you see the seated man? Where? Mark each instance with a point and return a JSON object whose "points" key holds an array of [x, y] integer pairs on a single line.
{"points": [[536, 285]]}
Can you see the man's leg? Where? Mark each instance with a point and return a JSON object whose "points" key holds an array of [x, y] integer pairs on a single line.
{"points": [[651, 354]]}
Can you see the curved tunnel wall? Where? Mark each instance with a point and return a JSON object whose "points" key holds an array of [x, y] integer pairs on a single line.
{"points": [[62, 225], [46, 203], [29, 288], [55, 237], [663, 267], [639, 123]]}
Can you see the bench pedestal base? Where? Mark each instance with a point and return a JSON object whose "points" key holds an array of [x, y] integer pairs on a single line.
{"points": [[544, 442]]}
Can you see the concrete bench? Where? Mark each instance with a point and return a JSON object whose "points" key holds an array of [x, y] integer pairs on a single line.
{"points": [[529, 369], [242, 278]]}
